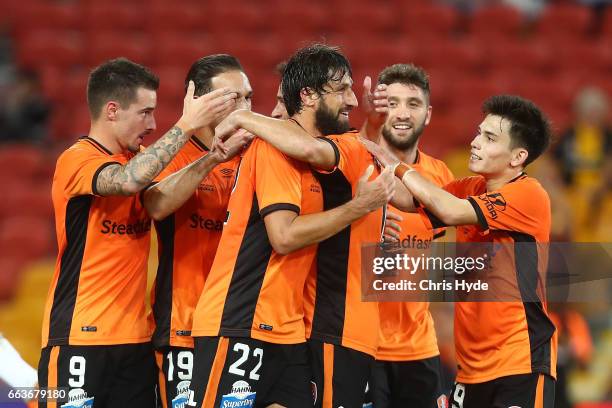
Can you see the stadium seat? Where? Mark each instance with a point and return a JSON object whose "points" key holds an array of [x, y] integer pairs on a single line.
{"points": [[61, 48], [47, 15], [126, 17], [27, 237], [181, 49], [565, 21], [104, 45], [314, 20], [171, 83], [10, 269], [427, 19], [244, 18], [496, 22], [371, 20], [534, 56], [23, 162], [592, 56], [464, 56], [28, 198], [189, 18]]}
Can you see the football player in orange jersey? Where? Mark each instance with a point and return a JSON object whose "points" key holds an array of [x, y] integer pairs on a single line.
{"points": [[96, 335], [189, 205], [506, 351], [407, 367]]}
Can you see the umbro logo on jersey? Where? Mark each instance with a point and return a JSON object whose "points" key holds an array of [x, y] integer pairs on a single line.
{"points": [[494, 202], [227, 172], [89, 329]]}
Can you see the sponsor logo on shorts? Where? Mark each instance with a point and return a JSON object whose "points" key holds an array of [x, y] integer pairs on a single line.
{"points": [[266, 327], [77, 398], [182, 395], [313, 389], [241, 396], [442, 401]]}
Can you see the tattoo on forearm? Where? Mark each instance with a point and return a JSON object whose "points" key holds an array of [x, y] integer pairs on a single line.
{"points": [[143, 168]]}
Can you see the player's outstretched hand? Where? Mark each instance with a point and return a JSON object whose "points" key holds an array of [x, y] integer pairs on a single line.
{"points": [[232, 146], [392, 227], [207, 109], [375, 104], [371, 195], [384, 156]]}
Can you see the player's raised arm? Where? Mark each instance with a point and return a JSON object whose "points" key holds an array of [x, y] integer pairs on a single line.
{"points": [[289, 232], [165, 197], [376, 107], [286, 135], [140, 171]]}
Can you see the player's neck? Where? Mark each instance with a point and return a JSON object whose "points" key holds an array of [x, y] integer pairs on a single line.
{"points": [[408, 156], [306, 119], [205, 136], [104, 136], [496, 182]]}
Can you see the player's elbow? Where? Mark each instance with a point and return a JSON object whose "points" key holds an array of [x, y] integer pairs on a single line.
{"points": [[131, 188], [282, 244]]}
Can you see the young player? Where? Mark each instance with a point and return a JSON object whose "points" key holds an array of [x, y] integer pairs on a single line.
{"points": [[96, 335], [506, 351]]}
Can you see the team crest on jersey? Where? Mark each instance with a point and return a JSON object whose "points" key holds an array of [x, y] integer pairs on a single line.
{"points": [[241, 396], [77, 398], [494, 202], [182, 395], [442, 401]]}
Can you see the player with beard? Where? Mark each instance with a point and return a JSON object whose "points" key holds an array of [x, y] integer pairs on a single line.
{"points": [[506, 351], [407, 368], [249, 330], [342, 330]]}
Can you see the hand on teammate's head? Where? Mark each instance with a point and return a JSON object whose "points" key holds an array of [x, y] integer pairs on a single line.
{"points": [[205, 110]]}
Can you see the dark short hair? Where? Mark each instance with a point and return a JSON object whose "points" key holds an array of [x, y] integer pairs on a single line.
{"points": [[529, 127], [280, 67], [206, 68], [407, 74], [118, 79], [311, 67]]}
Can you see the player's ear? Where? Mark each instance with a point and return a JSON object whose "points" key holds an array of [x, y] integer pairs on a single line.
{"points": [[519, 156], [308, 97], [428, 117], [111, 110]]}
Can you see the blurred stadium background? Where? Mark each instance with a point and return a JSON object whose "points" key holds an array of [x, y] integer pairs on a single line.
{"points": [[557, 53]]}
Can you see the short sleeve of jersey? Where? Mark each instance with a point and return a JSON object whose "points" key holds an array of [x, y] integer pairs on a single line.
{"points": [[461, 188], [78, 170], [519, 206], [277, 181], [353, 157]]}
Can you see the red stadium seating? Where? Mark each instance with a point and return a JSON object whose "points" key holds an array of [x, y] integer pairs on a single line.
{"points": [[27, 238], [23, 162], [126, 17], [46, 16], [427, 19], [61, 48], [104, 45], [10, 270], [497, 21], [189, 18], [180, 49], [565, 21]]}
